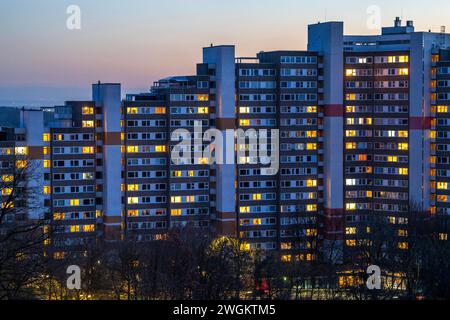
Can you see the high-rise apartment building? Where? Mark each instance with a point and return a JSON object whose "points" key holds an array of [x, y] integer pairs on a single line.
{"points": [[358, 126]]}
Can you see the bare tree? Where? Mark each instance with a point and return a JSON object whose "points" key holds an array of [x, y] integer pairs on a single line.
{"points": [[22, 232]]}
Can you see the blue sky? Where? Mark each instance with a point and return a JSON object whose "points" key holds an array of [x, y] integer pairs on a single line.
{"points": [[136, 42]]}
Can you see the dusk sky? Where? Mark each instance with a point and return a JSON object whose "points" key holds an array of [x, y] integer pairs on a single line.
{"points": [[136, 42]]}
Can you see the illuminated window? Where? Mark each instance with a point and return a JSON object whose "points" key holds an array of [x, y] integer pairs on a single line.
{"points": [[160, 110], [350, 72], [403, 245], [257, 222], [88, 228], [245, 247], [443, 236], [286, 258], [403, 171], [203, 97], [22, 151], [403, 134], [442, 185], [311, 208], [133, 213], [244, 209], [46, 137], [350, 145], [244, 122], [88, 150], [133, 187], [244, 110], [176, 199], [176, 174], [203, 161], [132, 110], [21, 164], [442, 198], [88, 110], [47, 189], [132, 149], [203, 110], [175, 212], [403, 72], [160, 148], [403, 146], [311, 183], [7, 178], [7, 191], [47, 164], [257, 197], [311, 232], [311, 146], [74, 229], [74, 202], [133, 200], [350, 96], [350, 206], [350, 230], [350, 243], [59, 216], [45, 150], [442, 109], [402, 233], [88, 124]]}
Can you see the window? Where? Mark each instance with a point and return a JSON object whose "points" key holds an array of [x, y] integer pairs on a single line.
{"points": [[47, 189], [22, 151], [160, 148], [46, 137], [88, 110], [88, 124]]}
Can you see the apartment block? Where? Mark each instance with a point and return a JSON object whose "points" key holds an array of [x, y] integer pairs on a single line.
{"points": [[358, 126]]}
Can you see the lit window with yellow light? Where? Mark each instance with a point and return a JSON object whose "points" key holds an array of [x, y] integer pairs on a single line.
{"points": [[21, 164], [88, 228], [132, 149], [74, 229], [88, 110], [350, 72], [244, 122], [160, 148], [47, 189], [7, 191], [244, 209], [175, 212], [442, 185], [88, 124], [74, 202], [46, 137], [21, 151], [132, 110], [442, 109], [88, 150], [203, 110], [202, 97], [133, 200]]}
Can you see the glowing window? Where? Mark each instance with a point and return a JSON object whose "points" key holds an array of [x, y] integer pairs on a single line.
{"points": [[244, 209], [46, 137], [132, 149], [74, 229], [203, 110], [350, 72], [160, 148], [133, 200], [88, 124], [88, 110], [47, 189], [22, 151], [132, 110], [175, 212], [257, 196], [21, 164], [133, 187], [244, 122], [88, 228], [202, 97], [88, 150], [74, 202], [442, 185]]}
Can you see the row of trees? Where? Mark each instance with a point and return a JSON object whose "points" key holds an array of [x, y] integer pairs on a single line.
{"points": [[188, 265]]}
